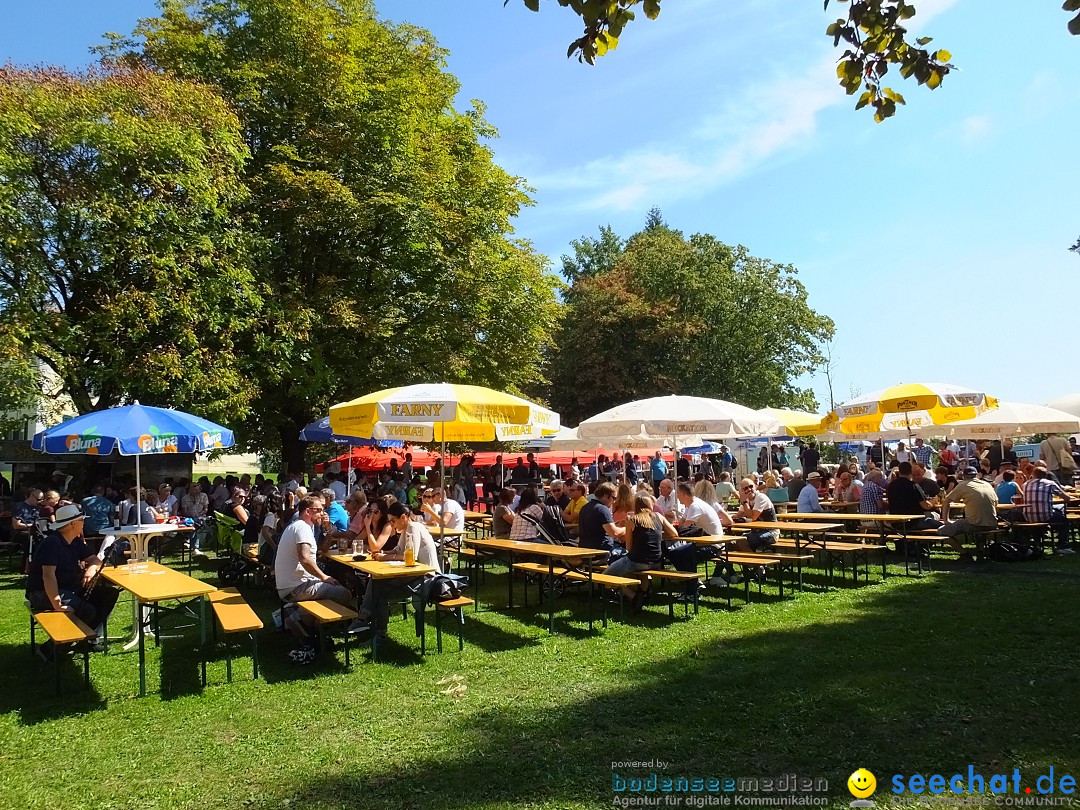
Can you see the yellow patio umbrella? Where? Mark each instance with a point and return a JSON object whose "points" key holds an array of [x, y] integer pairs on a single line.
{"points": [[906, 408], [442, 412], [795, 423]]}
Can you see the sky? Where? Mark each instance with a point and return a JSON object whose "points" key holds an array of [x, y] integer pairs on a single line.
{"points": [[937, 241]]}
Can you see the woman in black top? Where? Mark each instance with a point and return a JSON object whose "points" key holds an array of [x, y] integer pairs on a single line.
{"points": [[645, 530]]}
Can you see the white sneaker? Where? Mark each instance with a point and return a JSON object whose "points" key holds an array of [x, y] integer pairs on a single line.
{"points": [[198, 553]]}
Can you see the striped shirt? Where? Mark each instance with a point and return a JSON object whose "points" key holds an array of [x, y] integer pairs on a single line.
{"points": [[1039, 499]]}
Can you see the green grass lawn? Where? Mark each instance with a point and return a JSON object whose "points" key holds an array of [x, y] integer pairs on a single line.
{"points": [[911, 675]]}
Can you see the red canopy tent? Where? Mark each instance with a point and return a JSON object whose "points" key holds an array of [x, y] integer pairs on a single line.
{"points": [[370, 459]]}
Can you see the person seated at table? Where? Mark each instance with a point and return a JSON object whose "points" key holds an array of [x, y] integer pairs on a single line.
{"points": [[272, 520], [945, 480], [49, 502], [706, 491], [872, 499], [847, 489], [624, 503], [1039, 507], [557, 495], [697, 513], [528, 504], [576, 490], [724, 488], [795, 486], [297, 574], [755, 506], [502, 518], [444, 511], [97, 512], [596, 525], [668, 502], [374, 613], [236, 507], [643, 532], [928, 485], [380, 529], [908, 498], [809, 497], [355, 505], [167, 502], [1008, 489], [980, 510], [60, 570], [142, 509]]}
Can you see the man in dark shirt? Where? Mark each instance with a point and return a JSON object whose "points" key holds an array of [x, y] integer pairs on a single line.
{"points": [[809, 458], [929, 486], [907, 498], [557, 495], [596, 526], [61, 569]]}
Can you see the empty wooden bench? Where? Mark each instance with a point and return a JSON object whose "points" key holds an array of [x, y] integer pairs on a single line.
{"points": [[603, 580], [756, 560], [234, 615], [64, 630], [838, 548], [326, 612], [457, 607], [686, 578]]}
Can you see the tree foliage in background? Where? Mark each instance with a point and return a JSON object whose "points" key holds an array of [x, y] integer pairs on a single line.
{"points": [[388, 223], [123, 265], [676, 315], [873, 33]]}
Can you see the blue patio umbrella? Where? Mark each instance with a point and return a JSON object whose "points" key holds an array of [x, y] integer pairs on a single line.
{"points": [[320, 432], [133, 430]]}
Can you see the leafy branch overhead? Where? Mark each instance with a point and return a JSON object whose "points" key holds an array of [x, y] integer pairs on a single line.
{"points": [[873, 33]]}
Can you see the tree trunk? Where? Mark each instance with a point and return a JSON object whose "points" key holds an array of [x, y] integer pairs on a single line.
{"points": [[293, 450]]}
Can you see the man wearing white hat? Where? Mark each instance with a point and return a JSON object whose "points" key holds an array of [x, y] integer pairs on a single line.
{"points": [[61, 569]]}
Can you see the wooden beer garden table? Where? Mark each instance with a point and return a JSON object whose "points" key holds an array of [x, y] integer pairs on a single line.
{"points": [[150, 583], [566, 555]]}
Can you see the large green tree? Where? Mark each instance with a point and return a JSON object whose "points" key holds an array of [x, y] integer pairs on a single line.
{"points": [[389, 229], [676, 315], [123, 266]]}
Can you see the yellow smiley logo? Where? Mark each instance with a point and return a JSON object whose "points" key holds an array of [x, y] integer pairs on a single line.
{"points": [[862, 784]]}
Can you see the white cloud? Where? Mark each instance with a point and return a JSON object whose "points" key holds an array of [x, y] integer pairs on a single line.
{"points": [[763, 122], [975, 129]]}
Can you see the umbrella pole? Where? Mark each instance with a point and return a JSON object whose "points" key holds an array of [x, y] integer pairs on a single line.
{"points": [[138, 494]]}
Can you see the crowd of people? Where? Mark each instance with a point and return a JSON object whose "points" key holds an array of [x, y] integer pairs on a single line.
{"points": [[642, 513]]}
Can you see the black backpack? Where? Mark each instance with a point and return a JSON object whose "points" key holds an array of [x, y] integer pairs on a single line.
{"points": [[1012, 552]]}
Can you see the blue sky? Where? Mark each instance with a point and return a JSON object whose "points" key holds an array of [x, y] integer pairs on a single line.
{"points": [[936, 241]]}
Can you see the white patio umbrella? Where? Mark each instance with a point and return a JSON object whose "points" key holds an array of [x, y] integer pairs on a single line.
{"points": [[1070, 403], [1017, 419], [686, 419]]}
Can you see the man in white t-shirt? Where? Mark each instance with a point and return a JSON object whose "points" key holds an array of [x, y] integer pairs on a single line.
{"points": [[698, 513], [444, 511], [296, 573]]}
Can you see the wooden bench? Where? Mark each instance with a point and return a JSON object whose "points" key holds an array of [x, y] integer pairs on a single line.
{"points": [[750, 558], [670, 577], [836, 549], [328, 612], [457, 607], [234, 615], [603, 580], [64, 630]]}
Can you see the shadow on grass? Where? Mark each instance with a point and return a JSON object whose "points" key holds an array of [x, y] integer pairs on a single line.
{"points": [[939, 674], [29, 686]]}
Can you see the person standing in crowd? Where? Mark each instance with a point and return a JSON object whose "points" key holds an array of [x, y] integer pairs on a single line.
{"points": [[922, 452], [659, 470], [1055, 451], [97, 512]]}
